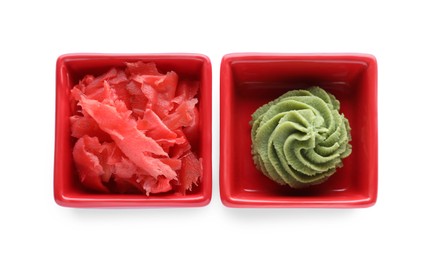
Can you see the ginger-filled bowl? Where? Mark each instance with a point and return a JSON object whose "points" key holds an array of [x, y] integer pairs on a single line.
{"points": [[107, 147], [250, 80]]}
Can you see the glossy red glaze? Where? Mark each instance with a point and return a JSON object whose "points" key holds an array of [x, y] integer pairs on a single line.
{"points": [[249, 80], [69, 70]]}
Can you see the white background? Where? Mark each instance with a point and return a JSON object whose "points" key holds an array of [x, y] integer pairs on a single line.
{"points": [[399, 33]]}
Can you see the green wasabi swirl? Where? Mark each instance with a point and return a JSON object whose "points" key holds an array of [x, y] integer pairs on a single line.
{"points": [[300, 138]]}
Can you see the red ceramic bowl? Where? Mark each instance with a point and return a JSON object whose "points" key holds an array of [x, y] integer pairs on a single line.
{"points": [[69, 70], [251, 80]]}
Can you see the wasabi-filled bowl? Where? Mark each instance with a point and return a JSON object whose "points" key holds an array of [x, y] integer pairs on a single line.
{"points": [[71, 68], [250, 80]]}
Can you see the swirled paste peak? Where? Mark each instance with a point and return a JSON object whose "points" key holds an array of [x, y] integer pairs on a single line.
{"points": [[300, 138]]}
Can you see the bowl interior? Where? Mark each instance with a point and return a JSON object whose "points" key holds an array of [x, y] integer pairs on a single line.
{"points": [[254, 82], [72, 68]]}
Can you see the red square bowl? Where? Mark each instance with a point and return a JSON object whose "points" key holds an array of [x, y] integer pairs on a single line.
{"points": [[249, 80], [70, 68]]}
